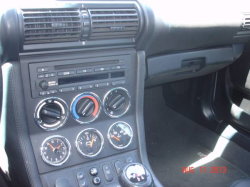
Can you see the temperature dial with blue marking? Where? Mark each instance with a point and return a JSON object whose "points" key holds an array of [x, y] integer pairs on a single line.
{"points": [[85, 107]]}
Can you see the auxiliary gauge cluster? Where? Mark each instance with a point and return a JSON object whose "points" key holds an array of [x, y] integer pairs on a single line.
{"points": [[52, 113]]}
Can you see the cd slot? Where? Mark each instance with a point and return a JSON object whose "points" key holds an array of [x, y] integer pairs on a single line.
{"points": [[69, 66]]}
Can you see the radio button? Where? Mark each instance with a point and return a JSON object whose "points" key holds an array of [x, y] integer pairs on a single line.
{"points": [[102, 69], [40, 76], [66, 73], [100, 85], [46, 75], [118, 82], [42, 93], [52, 74], [118, 67], [44, 69], [69, 89], [85, 87], [88, 70], [53, 91]]}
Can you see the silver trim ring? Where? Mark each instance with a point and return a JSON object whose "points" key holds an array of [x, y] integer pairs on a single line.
{"points": [[130, 141], [125, 173], [77, 145], [56, 125], [104, 99], [60, 137], [98, 113]]}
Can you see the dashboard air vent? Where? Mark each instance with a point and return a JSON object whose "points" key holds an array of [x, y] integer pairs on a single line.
{"points": [[246, 22], [51, 25], [114, 23], [245, 28]]}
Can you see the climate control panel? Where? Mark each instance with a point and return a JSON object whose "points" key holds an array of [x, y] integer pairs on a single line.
{"points": [[52, 113]]}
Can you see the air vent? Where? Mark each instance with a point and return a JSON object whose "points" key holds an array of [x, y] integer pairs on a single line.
{"points": [[114, 23], [51, 25], [245, 28], [246, 21]]}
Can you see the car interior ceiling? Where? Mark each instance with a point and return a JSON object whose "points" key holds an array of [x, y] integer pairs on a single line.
{"points": [[125, 93]]}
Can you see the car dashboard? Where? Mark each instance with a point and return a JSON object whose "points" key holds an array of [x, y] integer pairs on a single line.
{"points": [[74, 74]]}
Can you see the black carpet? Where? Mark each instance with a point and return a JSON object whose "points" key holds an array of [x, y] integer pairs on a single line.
{"points": [[174, 142]]}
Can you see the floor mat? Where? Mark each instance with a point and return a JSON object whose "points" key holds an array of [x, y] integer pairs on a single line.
{"points": [[174, 142]]}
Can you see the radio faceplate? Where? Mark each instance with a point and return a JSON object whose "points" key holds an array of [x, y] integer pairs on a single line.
{"points": [[59, 77]]}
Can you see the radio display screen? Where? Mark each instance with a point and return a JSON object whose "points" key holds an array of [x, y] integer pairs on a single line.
{"points": [[85, 78]]}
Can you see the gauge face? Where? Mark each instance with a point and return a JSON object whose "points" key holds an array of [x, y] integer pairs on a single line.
{"points": [[55, 150], [89, 142], [120, 135]]}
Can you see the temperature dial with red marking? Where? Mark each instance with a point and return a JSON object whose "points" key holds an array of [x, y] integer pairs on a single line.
{"points": [[85, 107]]}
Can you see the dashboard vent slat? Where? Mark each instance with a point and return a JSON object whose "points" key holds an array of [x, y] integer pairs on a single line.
{"points": [[114, 23], [51, 25], [246, 22]]}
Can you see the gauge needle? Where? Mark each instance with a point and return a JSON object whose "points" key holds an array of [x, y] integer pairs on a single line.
{"points": [[92, 141], [58, 147], [51, 147], [116, 138]]}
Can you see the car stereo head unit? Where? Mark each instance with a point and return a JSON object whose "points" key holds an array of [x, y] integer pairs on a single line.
{"points": [[59, 77]]}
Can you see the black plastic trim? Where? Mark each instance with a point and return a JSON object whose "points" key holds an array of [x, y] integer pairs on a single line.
{"points": [[74, 50], [90, 43], [141, 72], [9, 33]]}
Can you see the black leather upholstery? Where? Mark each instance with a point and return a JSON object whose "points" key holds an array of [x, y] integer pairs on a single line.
{"points": [[241, 183], [23, 169]]}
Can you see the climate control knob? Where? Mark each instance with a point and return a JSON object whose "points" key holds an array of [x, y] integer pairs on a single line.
{"points": [[85, 107], [116, 102], [51, 113]]}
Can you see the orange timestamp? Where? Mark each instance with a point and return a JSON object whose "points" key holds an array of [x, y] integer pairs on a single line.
{"points": [[217, 169]]}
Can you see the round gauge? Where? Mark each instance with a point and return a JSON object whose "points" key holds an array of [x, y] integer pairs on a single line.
{"points": [[120, 135], [85, 107], [116, 102], [89, 142], [51, 113], [55, 150]]}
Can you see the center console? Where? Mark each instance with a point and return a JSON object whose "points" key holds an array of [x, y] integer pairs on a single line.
{"points": [[81, 115], [73, 95]]}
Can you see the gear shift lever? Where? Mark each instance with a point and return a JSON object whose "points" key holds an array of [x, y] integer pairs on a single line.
{"points": [[135, 175]]}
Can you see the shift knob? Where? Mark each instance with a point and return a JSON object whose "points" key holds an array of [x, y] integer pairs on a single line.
{"points": [[135, 175]]}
